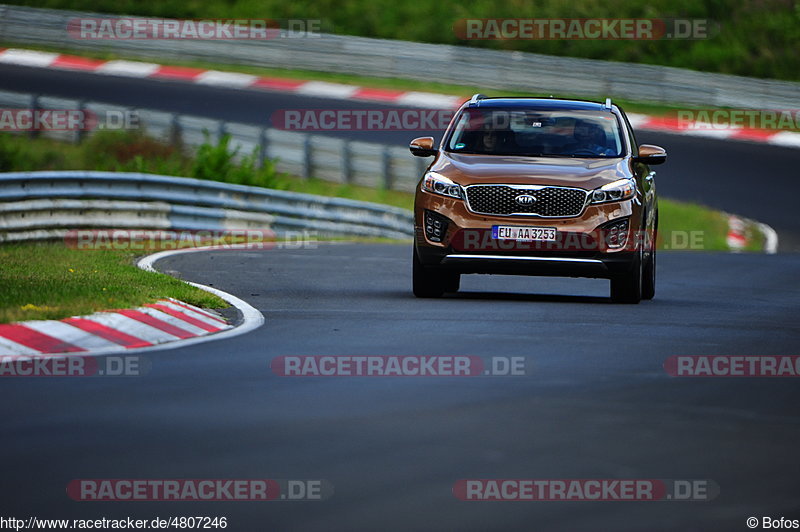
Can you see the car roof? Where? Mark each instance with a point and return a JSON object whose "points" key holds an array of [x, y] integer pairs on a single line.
{"points": [[538, 103]]}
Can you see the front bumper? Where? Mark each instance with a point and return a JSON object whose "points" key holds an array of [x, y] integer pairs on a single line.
{"points": [[598, 265], [466, 246]]}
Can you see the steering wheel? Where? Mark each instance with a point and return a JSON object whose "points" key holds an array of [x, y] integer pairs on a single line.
{"points": [[584, 151]]}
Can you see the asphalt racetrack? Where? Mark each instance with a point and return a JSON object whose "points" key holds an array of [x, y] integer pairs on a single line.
{"points": [[595, 400]]}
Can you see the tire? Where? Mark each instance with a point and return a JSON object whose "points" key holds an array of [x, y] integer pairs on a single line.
{"points": [[627, 288], [427, 283], [452, 282], [649, 274], [649, 277]]}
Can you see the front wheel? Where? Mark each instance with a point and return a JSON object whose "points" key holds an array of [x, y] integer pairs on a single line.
{"points": [[627, 288], [428, 282], [649, 277], [452, 282]]}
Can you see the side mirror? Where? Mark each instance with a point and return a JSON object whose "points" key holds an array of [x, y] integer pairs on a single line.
{"points": [[423, 147], [650, 154]]}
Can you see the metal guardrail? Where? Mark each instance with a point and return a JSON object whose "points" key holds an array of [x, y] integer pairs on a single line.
{"points": [[45, 205], [534, 73], [297, 153]]}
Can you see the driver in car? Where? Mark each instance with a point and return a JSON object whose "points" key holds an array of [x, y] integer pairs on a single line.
{"points": [[499, 140], [590, 139]]}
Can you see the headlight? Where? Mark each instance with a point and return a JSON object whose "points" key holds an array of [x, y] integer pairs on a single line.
{"points": [[619, 190], [439, 184]]}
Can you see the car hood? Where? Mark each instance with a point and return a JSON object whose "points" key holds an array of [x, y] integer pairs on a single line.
{"points": [[467, 169]]}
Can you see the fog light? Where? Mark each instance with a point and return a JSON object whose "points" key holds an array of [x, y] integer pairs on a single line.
{"points": [[616, 233], [435, 226]]}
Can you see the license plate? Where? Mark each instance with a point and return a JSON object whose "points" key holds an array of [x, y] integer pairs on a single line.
{"points": [[524, 234]]}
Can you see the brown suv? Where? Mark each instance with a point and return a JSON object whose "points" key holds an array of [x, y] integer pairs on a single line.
{"points": [[537, 186]]}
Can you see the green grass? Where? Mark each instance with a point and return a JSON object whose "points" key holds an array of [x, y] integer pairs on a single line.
{"points": [[754, 38], [53, 281], [688, 226], [134, 152]]}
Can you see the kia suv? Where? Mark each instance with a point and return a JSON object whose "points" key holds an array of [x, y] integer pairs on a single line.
{"points": [[537, 186]]}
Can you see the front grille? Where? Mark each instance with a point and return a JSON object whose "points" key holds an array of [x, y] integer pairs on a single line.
{"points": [[552, 202]]}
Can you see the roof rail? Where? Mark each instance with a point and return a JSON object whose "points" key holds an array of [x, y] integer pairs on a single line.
{"points": [[607, 105], [476, 97]]}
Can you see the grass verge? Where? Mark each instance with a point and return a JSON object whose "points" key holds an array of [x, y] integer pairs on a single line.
{"points": [[51, 281], [135, 152], [688, 226]]}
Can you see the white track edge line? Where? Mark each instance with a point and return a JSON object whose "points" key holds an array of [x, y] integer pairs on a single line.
{"points": [[770, 238], [251, 317]]}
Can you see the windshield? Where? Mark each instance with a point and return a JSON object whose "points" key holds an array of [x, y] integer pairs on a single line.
{"points": [[534, 132]]}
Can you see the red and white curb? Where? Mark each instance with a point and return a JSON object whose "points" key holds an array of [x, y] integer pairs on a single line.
{"points": [[737, 238], [136, 69], [117, 330], [166, 324], [325, 89], [707, 130]]}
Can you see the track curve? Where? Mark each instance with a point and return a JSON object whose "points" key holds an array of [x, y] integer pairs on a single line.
{"points": [[597, 402]]}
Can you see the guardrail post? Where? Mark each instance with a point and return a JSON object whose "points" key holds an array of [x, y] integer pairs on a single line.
{"points": [[263, 147], [347, 167], [308, 162], [34, 107], [80, 134], [386, 159], [175, 136], [3, 10]]}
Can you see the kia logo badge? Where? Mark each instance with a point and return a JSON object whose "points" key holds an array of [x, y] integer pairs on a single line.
{"points": [[525, 199]]}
